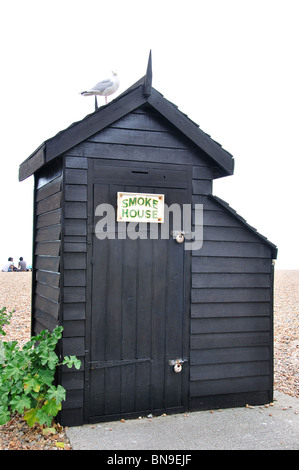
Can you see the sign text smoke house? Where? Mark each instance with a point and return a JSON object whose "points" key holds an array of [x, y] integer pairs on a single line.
{"points": [[140, 207]]}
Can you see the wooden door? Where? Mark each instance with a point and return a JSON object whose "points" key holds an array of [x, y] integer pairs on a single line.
{"points": [[138, 320]]}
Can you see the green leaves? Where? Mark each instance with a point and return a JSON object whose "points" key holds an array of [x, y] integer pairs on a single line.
{"points": [[27, 376], [20, 402], [4, 319], [4, 414], [71, 361], [30, 417], [32, 383], [57, 394], [51, 408], [12, 371]]}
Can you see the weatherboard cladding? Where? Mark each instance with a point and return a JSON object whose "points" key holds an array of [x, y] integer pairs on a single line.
{"points": [[230, 340], [47, 248], [231, 311], [231, 286]]}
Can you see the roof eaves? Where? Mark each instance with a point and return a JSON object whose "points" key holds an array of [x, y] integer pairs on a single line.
{"points": [[81, 130], [95, 122], [192, 130], [35, 161]]}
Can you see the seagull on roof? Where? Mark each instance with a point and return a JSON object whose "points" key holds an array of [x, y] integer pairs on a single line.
{"points": [[104, 88]]}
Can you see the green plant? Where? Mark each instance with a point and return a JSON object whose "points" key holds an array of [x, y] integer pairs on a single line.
{"points": [[27, 378], [4, 319]]}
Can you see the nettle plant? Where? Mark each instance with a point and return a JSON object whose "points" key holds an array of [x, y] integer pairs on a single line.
{"points": [[27, 376]]}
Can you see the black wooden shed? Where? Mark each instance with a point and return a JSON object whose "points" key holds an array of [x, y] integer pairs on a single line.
{"points": [[134, 308]]}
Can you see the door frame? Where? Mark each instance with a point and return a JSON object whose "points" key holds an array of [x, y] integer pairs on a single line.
{"points": [[186, 275]]}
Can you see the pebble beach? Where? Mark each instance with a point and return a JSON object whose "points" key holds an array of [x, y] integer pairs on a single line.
{"points": [[15, 294]]}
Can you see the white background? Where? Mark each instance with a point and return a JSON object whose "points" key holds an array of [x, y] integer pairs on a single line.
{"points": [[230, 65]]}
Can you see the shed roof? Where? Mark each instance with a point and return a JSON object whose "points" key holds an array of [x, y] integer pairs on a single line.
{"points": [[140, 93]]}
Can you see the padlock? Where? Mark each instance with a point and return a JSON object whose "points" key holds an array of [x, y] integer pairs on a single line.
{"points": [[177, 367], [180, 238]]}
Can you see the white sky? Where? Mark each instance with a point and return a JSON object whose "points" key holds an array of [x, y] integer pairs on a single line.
{"points": [[230, 65]]}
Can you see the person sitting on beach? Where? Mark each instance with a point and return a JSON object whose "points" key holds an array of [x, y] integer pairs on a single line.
{"points": [[22, 265], [8, 267]]}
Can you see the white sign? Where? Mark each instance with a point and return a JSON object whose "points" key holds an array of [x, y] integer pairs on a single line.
{"points": [[140, 207]]}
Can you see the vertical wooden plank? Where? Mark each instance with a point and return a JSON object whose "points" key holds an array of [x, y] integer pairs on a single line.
{"points": [[114, 275], [143, 386], [128, 339], [144, 298], [144, 323], [111, 334], [97, 393], [99, 288], [128, 391], [160, 266], [174, 320], [112, 390]]}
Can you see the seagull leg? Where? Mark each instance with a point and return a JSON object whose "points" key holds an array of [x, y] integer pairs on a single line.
{"points": [[106, 101], [95, 102]]}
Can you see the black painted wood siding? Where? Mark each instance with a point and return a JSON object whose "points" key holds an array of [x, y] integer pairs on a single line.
{"points": [[47, 246], [231, 275], [74, 297], [141, 136], [231, 314]]}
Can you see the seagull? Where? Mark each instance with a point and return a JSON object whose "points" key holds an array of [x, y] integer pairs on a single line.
{"points": [[104, 88]]}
